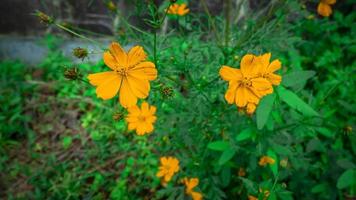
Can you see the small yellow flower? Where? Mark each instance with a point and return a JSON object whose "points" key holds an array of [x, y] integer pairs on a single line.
{"points": [[129, 77], [264, 160], [250, 197], [142, 119], [178, 9], [242, 172], [169, 166], [324, 7], [190, 184], [245, 85]]}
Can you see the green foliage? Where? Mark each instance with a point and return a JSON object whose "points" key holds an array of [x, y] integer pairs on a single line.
{"points": [[59, 141]]}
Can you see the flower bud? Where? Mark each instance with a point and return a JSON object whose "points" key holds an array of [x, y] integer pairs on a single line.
{"points": [[44, 19], [72, 74], [80, 53]]}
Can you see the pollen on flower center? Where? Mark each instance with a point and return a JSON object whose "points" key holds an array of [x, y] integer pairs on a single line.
{"points": [[246, 82], [141, 118], [122, 71]]}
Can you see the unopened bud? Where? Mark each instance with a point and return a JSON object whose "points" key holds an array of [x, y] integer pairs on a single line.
{"points": [[44, 19], [72, 74], [166, 92], [80, 53], [111, 6], [118, 116]]}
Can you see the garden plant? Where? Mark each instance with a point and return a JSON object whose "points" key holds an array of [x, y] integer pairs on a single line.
{"points": [[254, 102]]}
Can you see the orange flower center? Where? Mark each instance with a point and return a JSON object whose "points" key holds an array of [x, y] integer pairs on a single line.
{"points": [[122, 71], [246, 82], [141, 118]]}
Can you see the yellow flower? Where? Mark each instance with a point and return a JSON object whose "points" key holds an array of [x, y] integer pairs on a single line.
{"points": [[324, 7], [176, 9], [190, 184], [267, 69], [264, 160], [245, 85], [169, 166], [129, 77], [250, 197], [242, 172], [142, 119]]}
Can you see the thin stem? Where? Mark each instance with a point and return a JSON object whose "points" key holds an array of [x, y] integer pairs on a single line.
{"points": [[155, 47], [227, 21], [77, 34], [210, 19]]}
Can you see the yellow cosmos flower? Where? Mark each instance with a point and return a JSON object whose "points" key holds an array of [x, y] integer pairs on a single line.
{"points": [[267, 69], [324, 7], [245, 85], [250, 197], [169, 166], [190, 184], [176, 9], [264, 160], [142, 119], [129, 77]]}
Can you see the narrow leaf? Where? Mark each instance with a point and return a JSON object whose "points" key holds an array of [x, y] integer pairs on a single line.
{"points": [[264, 110], [226, 156], [297, 77], [295, 102], [218, 145]]}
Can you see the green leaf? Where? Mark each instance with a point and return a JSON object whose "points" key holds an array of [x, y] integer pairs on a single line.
{"points": [[67, 141], [295, 102], [274, 166], [347, 179], [218, 145], [326, 132], [272, 196], [264, 109], [244, 135], [297, 77], [226, 156]]}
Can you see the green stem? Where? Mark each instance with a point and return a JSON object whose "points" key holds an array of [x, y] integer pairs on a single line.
{"points": [[77, 34], [210, 19], [227, 21], [155, 47]]}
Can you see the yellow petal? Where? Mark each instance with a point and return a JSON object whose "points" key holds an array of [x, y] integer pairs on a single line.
{"points": [[99, 78], [145, 108], [146, 70], [252, 97], [110, 61], [139, 87], [274, 66], [196, 196], [262, 85], [119, 53], [246, 65], [132, 126], [330, 2], [241, 97], [136, 55], [109, 88], [153, 110], [134, 110], [275, 79], [324, 10], [141, 129], [149, 127], [264, 59], [160, 173], [228, 73], [230, 93], [127, 98]]}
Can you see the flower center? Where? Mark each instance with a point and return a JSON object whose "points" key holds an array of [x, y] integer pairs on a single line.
{"points": [[122, 71], [246, 82], [141, 118]]}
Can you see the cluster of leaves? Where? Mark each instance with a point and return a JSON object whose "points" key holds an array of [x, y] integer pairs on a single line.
{"points": [[305, 126]]}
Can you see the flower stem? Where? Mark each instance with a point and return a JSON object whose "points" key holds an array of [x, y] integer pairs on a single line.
{"points": [[77, 34]]}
